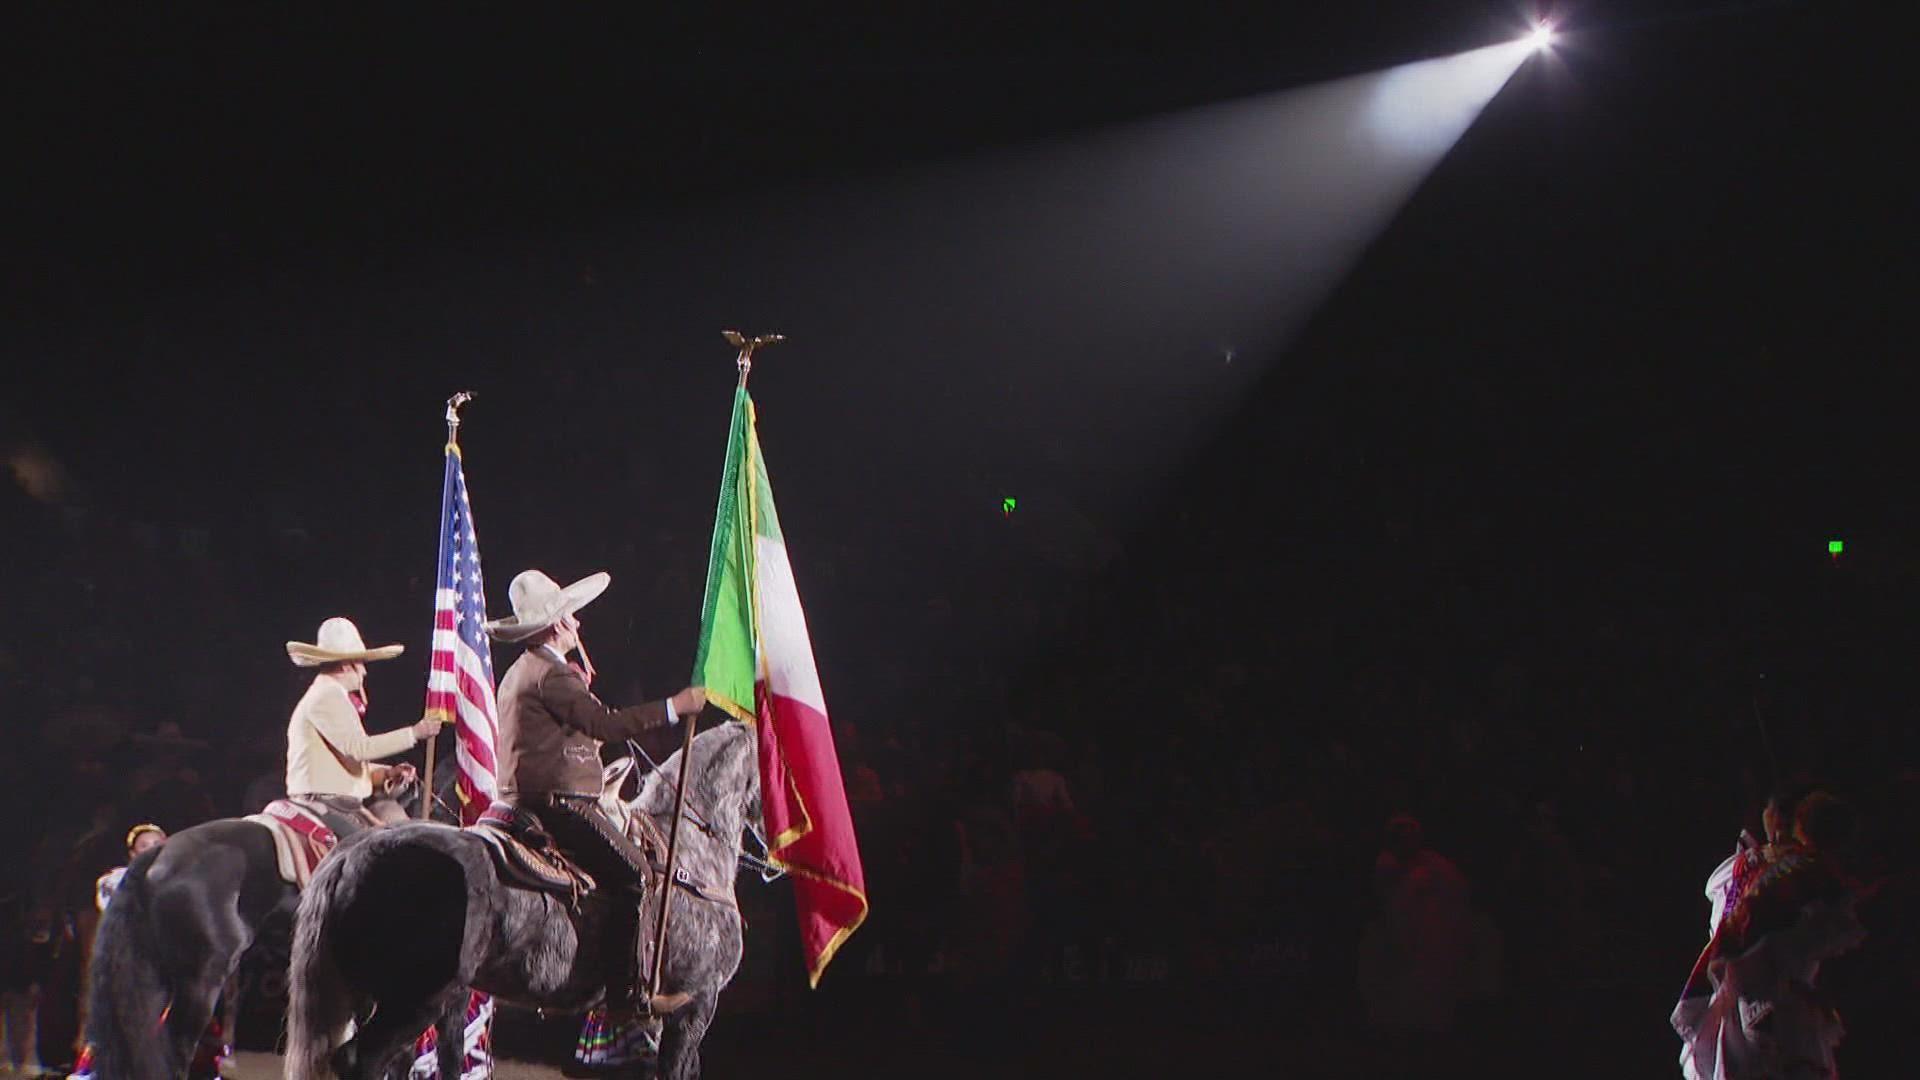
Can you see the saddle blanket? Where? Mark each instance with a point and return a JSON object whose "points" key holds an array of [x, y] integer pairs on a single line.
{"points": [[300, 839]]}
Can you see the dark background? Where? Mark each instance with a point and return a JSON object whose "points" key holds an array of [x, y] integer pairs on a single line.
{"points": [[1557, 462]]}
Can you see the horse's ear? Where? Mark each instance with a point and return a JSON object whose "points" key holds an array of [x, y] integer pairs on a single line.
{"points": [[405, 795], [614, 775]]}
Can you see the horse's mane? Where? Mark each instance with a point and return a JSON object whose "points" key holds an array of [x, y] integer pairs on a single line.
{"points": [[731, 743]]}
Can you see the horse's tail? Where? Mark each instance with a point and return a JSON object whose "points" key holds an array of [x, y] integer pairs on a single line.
{"points": [[319, 1001], [349, 947], [127, 995]]}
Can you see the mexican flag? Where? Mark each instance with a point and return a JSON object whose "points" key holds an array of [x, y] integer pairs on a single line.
{"points": [[756, 662]]}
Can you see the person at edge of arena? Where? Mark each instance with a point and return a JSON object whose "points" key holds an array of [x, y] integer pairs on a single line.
{"points": [[1753, 1007], [140, 840], [551, 729], [210, 1056], [330, 756]]}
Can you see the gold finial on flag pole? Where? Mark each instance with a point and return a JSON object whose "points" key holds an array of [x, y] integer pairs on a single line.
{"points": [[453, 415], [747, 346]]}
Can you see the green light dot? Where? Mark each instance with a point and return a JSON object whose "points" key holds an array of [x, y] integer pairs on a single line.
{"points": [[1007, 505], [1835, 547]]}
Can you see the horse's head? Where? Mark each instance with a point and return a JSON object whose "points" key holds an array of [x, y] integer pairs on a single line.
{"points": [[723, 790], [402, 792], [612, 776]]}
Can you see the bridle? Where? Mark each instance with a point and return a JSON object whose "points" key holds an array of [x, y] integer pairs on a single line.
{"points": [[760, 863]]}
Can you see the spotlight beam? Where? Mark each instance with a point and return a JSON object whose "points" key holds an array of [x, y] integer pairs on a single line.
{"points": [[1106, 262]]}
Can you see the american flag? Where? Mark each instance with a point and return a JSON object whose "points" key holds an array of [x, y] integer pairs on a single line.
{"points": [[460, 687], [460, 691]]}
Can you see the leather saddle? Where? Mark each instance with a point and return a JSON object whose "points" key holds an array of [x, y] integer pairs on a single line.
{"points": [[525, 854]]}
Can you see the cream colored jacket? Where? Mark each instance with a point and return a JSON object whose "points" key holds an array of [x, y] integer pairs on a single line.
{"points": [[328, 750]]}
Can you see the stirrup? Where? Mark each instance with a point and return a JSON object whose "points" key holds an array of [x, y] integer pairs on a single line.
{"points": [[667, 1004]]}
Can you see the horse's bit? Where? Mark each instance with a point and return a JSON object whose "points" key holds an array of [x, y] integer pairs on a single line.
{"points": [[758, 863]]}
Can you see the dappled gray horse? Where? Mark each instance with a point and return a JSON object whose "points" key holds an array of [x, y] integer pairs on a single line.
{"points": [[402, 922]]}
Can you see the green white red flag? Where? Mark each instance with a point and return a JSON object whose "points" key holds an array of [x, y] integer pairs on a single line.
{"points": [[756, 662]]}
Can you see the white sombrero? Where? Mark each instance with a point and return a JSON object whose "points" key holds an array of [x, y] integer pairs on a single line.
{"points": [[338, 642], [539, 602]]}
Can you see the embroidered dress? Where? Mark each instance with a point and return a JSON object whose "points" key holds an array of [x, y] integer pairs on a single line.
{"points": [[1752, 1009]]}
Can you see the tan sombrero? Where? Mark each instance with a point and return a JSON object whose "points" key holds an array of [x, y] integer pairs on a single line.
{"points": [[539, 602], [338, 642]]}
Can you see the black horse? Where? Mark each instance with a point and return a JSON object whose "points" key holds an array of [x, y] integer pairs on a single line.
{"points": [[171, 939], [401, 923]]}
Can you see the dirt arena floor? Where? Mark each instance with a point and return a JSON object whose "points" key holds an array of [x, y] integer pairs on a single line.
{"points": [[252, 1066], [1154, 1034]]}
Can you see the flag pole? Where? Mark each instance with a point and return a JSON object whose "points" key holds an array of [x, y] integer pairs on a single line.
{"points": [[453, 447], [744, 362]]}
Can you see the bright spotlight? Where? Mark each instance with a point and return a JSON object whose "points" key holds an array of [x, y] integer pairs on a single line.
{"points": [[1542, 37]]}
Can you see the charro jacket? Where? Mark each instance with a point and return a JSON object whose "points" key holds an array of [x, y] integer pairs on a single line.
{"points": [[328, 748], [551, 728]]}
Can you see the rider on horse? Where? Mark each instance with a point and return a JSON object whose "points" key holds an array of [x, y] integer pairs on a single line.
{"points": [[551, 728], [329, 753]]}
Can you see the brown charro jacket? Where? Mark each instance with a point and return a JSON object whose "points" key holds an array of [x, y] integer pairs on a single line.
{"points": [[551, 728]]}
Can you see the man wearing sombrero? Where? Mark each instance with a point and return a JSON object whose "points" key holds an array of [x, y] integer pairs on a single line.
{"points": [[329, 753], [551, 728]]}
